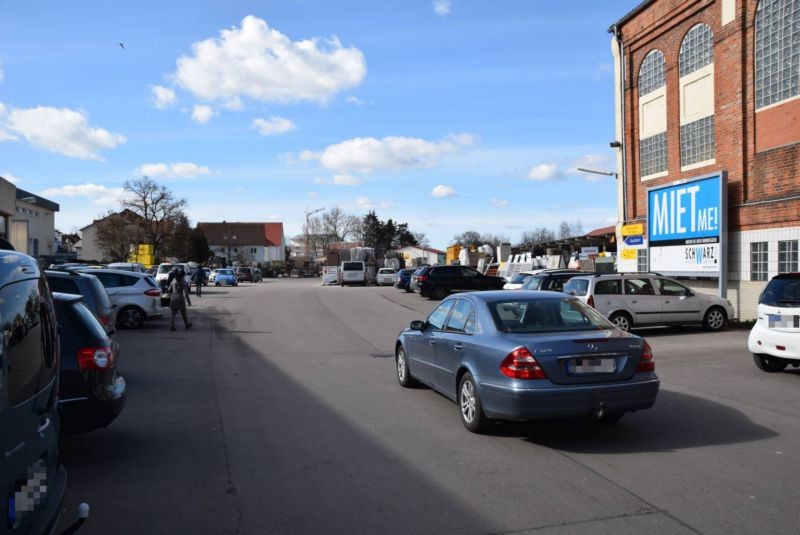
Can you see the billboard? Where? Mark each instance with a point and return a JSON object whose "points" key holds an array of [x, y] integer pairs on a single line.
{"points": [[687, 226]]}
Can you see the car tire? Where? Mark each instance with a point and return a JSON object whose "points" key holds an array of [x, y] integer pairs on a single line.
{"points": [[409, 291], [770, 364], [469, 405], [714, 319], [621, 320], [401, 366], [438, 293], [131, 317], [216, 284]]}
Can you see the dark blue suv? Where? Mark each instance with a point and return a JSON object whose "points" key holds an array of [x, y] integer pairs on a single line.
{"points": [[32, 481]]}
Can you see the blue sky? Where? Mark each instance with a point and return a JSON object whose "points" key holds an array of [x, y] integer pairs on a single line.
{"points": [[449, 115]]}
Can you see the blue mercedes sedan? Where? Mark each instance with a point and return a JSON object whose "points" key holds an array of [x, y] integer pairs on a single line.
{"points": [[526, 355]]}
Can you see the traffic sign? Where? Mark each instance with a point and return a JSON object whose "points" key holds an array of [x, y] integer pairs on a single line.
{"points": [[633, 230], [634, 240]]}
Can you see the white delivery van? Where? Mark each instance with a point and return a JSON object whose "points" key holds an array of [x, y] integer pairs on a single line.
{"points": [[353, 272]]}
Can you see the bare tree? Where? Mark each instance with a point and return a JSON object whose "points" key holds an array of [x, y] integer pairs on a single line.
{"points": [[116, 232], [564, 230], [340, 225], [157, 207], [422, 239], [468, 238], [493, 239], [537, 235]]}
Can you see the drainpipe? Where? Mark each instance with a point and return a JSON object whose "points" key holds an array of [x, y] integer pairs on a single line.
{"points": [[617, 51]]}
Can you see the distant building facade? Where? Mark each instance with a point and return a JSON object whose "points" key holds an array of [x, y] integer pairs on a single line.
{"points": [[245, 243], [711, 88], [27, 220]]}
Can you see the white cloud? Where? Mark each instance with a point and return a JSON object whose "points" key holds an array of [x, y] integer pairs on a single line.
{"points": [[365, 203], [202, 113], [261, 63], [172, 170], [367, 154], [102, 195], [355, 101], [500, 203], [340, 180], [163, 97], [442, 7], [273, 125], [313, 194], [62, 131], [11, 178], [595, 162], [443, 191], [545, 171]]}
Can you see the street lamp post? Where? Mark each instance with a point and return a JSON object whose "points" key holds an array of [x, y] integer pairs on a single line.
{"points": [[595, 172]]}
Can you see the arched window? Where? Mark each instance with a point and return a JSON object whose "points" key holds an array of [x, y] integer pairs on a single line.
{"points": [[696, 67], [777, 51], [652, 116]]}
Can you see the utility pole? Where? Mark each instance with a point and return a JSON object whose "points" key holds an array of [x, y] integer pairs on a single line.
{"points": [[308, 233]]}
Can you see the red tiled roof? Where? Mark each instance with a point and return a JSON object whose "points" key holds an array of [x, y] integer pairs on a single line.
{"points": [[273, 232], [602, 231]]}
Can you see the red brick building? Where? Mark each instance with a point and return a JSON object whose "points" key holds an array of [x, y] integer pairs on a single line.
{"points": [[707, 86]]}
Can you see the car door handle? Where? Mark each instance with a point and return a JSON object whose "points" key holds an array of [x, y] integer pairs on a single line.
{"points": [[43, 426], [634, 302], [667, 302], [458, 347]]}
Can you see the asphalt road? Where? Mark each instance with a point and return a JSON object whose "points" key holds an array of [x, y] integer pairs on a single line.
{"points": [[279, 412]]}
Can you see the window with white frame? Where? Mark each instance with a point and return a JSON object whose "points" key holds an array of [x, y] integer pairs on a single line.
{"points": [[641, 261], [777, 51], [787, 256], [652, 115], [759, 267], [696, 67], [253, 250]]}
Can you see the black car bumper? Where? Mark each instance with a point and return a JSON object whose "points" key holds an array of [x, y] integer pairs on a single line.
{"points": [[82, 414]]}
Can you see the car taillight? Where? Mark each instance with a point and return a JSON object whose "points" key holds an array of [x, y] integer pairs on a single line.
{"points": [[153, 293], [421, 278], [590, 301], [521, 364], [94, 358], [646, 364], [104, 319]]}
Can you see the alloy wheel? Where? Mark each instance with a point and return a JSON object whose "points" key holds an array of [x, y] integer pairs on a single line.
{"points": [[468, 403]]}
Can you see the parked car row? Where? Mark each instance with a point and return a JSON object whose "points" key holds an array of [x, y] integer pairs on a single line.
{"points": [[58, 376]]}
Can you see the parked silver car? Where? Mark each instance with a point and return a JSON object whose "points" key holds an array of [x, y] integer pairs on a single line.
{"points": [[525, 355], [137, 296], [645, 299]]}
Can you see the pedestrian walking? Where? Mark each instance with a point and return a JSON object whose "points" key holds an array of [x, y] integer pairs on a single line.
{"points": [[177, 300], [198, 277], [187, 287]]}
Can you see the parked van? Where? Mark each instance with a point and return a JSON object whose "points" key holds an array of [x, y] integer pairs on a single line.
{"points": [[32, 482], [353, 272]]}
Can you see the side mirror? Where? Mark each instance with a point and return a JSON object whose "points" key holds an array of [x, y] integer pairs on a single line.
{"points": [[689, 293], [417, 325]]}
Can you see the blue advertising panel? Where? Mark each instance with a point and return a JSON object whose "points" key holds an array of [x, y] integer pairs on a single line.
{"points": [[686, 226]]}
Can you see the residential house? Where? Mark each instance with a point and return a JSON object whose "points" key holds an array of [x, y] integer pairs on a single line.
{"points": [[245, 243], [27, 220]]}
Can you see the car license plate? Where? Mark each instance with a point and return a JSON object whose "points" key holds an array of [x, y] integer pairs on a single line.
{"points": [[784, 322], [593, 365]]}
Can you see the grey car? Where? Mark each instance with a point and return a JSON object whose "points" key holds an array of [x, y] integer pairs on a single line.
{"points": [[526, 355], [95, 296]]}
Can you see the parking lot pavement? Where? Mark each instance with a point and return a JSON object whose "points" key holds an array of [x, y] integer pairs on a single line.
{"points": [[279, 412]]}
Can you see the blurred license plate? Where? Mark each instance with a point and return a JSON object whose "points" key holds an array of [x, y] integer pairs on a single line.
{"points": [[595, 365], [784, 322]]}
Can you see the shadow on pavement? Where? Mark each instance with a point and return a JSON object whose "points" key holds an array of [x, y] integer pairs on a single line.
{"points": [[677, 421]]}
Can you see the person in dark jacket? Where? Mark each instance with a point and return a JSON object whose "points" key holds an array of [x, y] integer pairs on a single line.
{"points": [[177, 300], [197, 278]]}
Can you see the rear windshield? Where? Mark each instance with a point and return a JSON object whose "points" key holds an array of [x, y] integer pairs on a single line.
{"points": [[86, 321], [386, 271], [576, 287], [151, 282], [352, 266], [100, 292], [225, 272], [781, 293], [165, 268], [545, 316]]}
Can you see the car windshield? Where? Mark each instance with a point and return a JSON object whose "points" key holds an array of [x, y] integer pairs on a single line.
{"points": [[225, 272], [532, 283], [576, 287], [353, 266], [519, 279], [546, 315], [781, 293], [386, 271]]}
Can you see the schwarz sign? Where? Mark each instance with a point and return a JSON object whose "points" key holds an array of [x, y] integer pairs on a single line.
{"points": [[686, 226]]}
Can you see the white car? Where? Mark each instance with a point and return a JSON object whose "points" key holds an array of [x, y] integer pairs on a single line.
{"points": [[519, 279], [647, 299], [163, 272], [353, 272], [386, 276], [775, 338], [127, 266], [135, 296]]}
